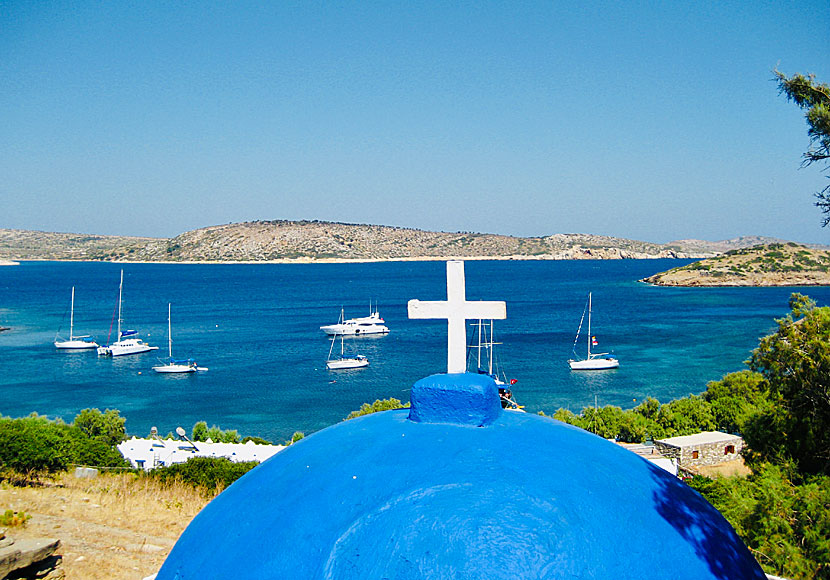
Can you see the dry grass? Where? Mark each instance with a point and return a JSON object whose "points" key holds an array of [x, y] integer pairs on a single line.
{"points": [[112, 527], [728, 469]]}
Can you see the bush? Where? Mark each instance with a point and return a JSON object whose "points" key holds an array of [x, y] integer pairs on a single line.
{"points": [[11, 519], [201, 432], [107, 427], [377, 406], [786, 526], [210, 473], [34, 446]]}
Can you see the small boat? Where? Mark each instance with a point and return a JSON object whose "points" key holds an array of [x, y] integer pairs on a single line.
{"points": [[173, 365], [372, 324], [75, 342], [128, 341], [345, 362], [594, 361], [486, 344]]}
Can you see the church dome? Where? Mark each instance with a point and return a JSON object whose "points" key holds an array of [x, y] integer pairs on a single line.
{"points": [[457, 488]]}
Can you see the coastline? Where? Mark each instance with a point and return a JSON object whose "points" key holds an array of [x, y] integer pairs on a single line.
{"points": [[539, 258]]}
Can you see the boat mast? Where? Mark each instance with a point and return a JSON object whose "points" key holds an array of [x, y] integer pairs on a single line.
{"points": [[120, 287], [169, 336], [490, 351], [478, 363], [589, 325], [72, 314]]}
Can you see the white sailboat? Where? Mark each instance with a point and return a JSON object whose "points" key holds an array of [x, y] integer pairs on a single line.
{"points": [[486, 344], [345, 362], [172, 365], [128, 341], [594, 361], [74, 342]]}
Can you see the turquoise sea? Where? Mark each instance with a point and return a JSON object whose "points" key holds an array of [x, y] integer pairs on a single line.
{"points": [[257, 328]]}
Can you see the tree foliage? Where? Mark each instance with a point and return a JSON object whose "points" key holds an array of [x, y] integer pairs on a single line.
{"points": [[107, 427], [201, 432], [795, 363], [786, 526], [213, 474], [814, 97], [378, 405], [34, 446]]}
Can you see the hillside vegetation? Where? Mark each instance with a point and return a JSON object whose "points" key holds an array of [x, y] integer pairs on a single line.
{"points": [[33, 245], [313, 240], [783, 264]]}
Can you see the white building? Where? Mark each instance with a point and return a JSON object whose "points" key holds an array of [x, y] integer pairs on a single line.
{"points": [[151, 453]]}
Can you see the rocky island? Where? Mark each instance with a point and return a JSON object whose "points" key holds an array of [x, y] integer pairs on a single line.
{"points": [[781, 264], [319, 241]]}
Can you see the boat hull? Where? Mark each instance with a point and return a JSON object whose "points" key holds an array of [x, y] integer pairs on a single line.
{"points": [[75, 345], [347, 363], [594, 364], [354, 330], [175, 369], [125, 347]]}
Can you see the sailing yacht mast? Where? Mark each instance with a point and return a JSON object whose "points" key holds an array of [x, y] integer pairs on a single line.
{"points": [[169, 336], [589, 325], [120, 288], [72, 315]]}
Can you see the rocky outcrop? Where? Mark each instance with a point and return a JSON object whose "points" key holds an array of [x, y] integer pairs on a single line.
{"points": [[29, 558], [786, 264]]}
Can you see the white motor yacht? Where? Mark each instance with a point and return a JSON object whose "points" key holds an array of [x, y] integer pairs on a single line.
{"points": [[372, 324]]}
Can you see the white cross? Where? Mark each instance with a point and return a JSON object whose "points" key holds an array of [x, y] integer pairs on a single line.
{"points": [[457, 311]]}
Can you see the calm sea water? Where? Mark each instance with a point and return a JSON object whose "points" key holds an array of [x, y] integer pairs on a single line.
{"points": [[257, 328]]}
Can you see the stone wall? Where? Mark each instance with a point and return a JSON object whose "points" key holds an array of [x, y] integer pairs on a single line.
{"points": [[703, 453]]}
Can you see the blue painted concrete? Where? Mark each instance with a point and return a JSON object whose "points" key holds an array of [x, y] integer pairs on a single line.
{"points": [[463, 399], [524, 497]]}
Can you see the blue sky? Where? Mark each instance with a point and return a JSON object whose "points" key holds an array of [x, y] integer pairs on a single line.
{"points": [[646, 120]]}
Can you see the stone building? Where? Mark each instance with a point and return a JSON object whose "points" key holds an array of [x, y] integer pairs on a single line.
{"points": [[706, 448]]}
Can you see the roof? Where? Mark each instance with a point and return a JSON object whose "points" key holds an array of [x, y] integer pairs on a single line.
{"points": [[150, 453], [454, 488], [699, 439]]}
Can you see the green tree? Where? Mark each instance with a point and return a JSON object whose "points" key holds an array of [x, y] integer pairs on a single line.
{"points": [[786, 526], [107, 427], [735, 399], [686, 416], [795, 363], [378, 405], [199, 432], [294, 438], [33, 446], [814, 97]]}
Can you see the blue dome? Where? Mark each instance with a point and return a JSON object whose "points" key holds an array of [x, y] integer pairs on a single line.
{"points": [[456, 488]]}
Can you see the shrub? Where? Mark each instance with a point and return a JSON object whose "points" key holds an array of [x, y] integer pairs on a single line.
{"points": [[107, 426], [12, 519], [210, 473], [378, 405]]}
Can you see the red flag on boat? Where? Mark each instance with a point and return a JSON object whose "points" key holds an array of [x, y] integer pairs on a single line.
{"points": [[594, 341], [513, 381]]}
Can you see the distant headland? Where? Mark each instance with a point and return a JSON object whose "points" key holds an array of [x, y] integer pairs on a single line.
{"points": [[779, 264], [317, 241]]}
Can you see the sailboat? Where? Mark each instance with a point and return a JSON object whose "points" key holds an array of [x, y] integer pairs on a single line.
{"points": [[345, 362], [594, 361], [172, 365], [74, 342], [128, 341], [487, 344]]}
